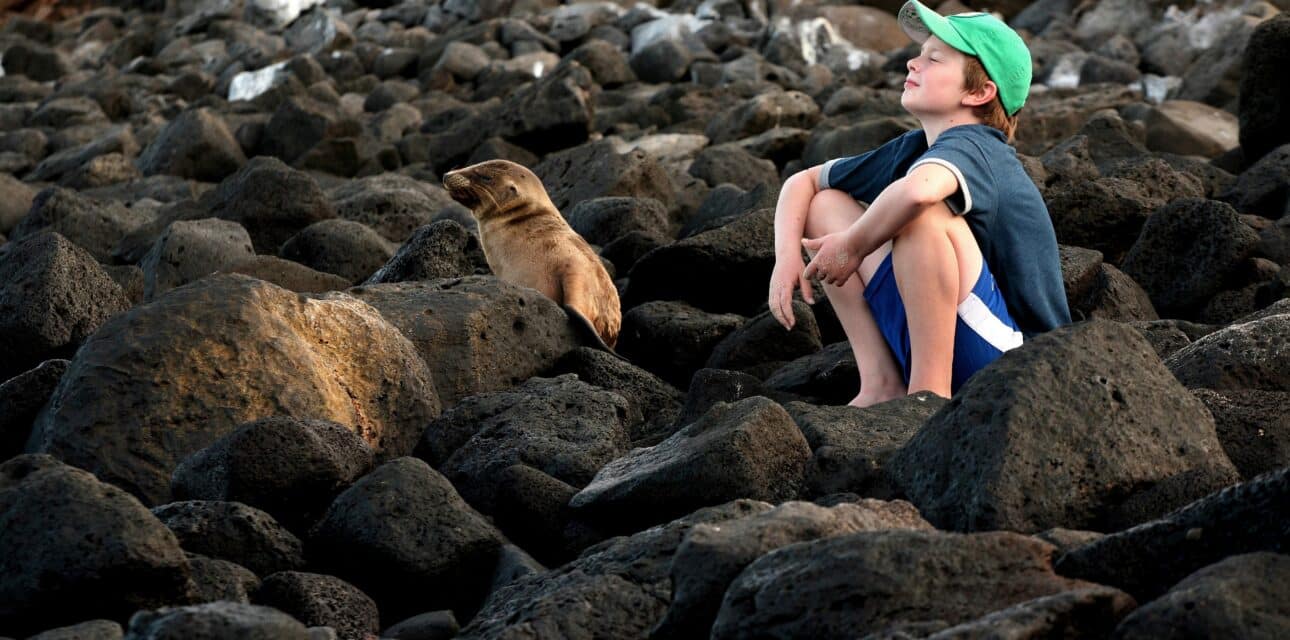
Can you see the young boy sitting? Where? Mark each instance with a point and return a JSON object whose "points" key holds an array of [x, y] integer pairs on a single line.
{"points": [[953, 259]]}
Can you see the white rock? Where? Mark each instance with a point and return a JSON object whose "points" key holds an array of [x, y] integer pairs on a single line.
{"points": [[276, 14], [249, 84]]}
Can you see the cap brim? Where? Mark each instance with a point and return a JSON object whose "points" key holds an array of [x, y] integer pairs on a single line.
{"points": [[918, 22]]}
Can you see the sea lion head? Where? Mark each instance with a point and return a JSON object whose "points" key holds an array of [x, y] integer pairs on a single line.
{"points": [[494, 188]]}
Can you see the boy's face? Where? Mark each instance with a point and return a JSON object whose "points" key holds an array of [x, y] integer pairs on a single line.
{"points": [[934, 82]]}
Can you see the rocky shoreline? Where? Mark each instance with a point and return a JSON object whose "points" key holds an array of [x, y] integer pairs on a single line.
{"points": [[257, 380]]}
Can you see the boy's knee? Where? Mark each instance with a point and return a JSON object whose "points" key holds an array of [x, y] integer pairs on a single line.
{"points": [[934, 218], [829, 208]]}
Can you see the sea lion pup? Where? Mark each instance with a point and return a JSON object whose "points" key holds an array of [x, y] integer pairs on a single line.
{"points": [[528, 242]]}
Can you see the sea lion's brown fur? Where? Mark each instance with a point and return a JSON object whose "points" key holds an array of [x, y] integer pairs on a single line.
{"points": [[528, 242]]}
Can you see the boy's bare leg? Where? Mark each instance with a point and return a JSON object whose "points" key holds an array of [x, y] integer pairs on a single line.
{"points": [[936, 262], [881, 379]]}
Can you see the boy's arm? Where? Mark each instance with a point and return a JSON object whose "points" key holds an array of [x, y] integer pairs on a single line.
{"points": [[790, 212], [838, 255]]}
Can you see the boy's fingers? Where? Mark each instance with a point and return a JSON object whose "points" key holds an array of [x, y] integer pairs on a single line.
{"points": [[808, 294]]}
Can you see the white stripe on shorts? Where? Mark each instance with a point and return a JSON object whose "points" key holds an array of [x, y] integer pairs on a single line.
{"points": [[979, 318]]}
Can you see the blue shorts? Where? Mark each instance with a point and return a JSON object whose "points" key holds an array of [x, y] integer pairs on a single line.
{"points": [[984, 329]]}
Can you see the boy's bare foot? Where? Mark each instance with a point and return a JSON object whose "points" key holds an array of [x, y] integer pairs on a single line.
{"points": [[873, 394]]}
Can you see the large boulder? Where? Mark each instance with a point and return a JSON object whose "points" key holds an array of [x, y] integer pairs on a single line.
{"points": [[476, 333], [217, 579], [405, 537], [652, 403], [1263, 97], [761, 345], [711, 556], [53, 295], [723, 270], [394, 205], [75, 548], [827, 377], [619, 588], [1187, 251], [21, 398], [1089, 612], [1245, 596], [1148, 560], [443, 249], [1253, 425], [1262, 189], [351, 250], [232, 531], [191, 249], [321, 601], [764, 112], [597, 170], [872, 581], [147, 391], [291, 468], [215, 621], [1079, 428], [1248, 355], [94, 226], [197, 144], [749, 449], [271, 200], [671, 339]]}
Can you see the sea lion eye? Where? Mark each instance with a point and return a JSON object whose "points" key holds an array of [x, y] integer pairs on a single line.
{"points": [[486, 178]]}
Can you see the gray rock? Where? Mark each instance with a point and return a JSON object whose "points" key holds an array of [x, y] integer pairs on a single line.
{"points": [[762, 113], [233, 531], [197, 144], [443, 249], [1090, 612], [271, 200], [603, 220], [404, 536], [672, 339], [21, 398], [435, 625], [217, 579], [48, 511], [652, 403], [101, 171], [287, 467], [1261, 189], [215, 621], [321, 601], [828, 377], [1263, 100], [1250, 355], [392, 204], [1148, 560], [349, 249], [117, 139], [711, 556], [597, 170], [91, 630], [191, 249], [15, 201], [1241, 596], [289, 275], [811, 589], [749, 449], [54, 295], [1092, 389], [95, 226], [762, 345], [731, 163], [1253, 425], [1113, 295]]}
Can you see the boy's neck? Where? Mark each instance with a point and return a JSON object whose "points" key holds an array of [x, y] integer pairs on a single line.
{"points": [[934, 126]]}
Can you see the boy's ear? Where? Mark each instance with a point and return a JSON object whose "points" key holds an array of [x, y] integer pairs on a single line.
{"points": [[982, 96]]}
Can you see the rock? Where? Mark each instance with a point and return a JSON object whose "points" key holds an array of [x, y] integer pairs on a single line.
{"points": [[730, 163], [1261, 189], [711, 556], [1114, 296], [1253, 426], [851, 447], [626, 577], [196, 144], [217, 579], [750, 449], [21, 398], [404, 536], [435, 625], [233, 531], [101, 171], [1090, 612], [349, 249], [1168, 336], [215, 621], [321, 601], [15, 201], [1099, 69], [552, 113], [530, 505], [164, 403], [297, 124], [596, 170], [1104, 394], [663, 60], [903, 577], [710, 387], [463, 60], [603, 220], [1251, 355], [1149, 559], [672, 339], [608, 65], [443, 249], [828, 377], [1262, 112], [392, 204], [1187, 252], [288, 467], [1242, 596], [54, 296], [762, 346], [1191, 129], [117, 139], [318, 31], [480, 333], [289, 275], [762, 113], [36, 61], [189, 250], [723, 270], [271, 200], [826, 144], [94, 226], [652, 403], [49, 511], [91, 630], [562, 427]]}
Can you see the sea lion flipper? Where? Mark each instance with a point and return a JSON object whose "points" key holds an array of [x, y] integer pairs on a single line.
{"points": [[587, 332]]}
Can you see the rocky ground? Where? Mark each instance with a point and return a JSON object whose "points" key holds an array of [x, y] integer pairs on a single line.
{"points": [[258, 381]]}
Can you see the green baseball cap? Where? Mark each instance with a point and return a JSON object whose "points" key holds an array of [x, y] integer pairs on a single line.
{"points": [[1002, 52]]}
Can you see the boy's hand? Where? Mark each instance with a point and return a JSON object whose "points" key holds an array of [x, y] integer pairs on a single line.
{"points": [[835, 261], [786, 277]]}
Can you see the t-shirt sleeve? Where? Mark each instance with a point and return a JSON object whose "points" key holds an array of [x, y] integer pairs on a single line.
{"points": [[965, 159], [866, 175]]}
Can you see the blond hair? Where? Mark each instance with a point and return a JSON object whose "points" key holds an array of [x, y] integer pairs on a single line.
{"points": [[991, 113]]}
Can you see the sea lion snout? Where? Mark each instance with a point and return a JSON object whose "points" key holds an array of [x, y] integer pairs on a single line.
{"points": [[454, 180], [460, 188]]}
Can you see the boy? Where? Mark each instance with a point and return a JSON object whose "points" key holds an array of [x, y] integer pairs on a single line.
{"points": [[955, 254]]}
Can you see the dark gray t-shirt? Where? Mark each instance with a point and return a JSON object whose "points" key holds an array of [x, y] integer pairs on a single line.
{"points": [[1004, 209]]}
